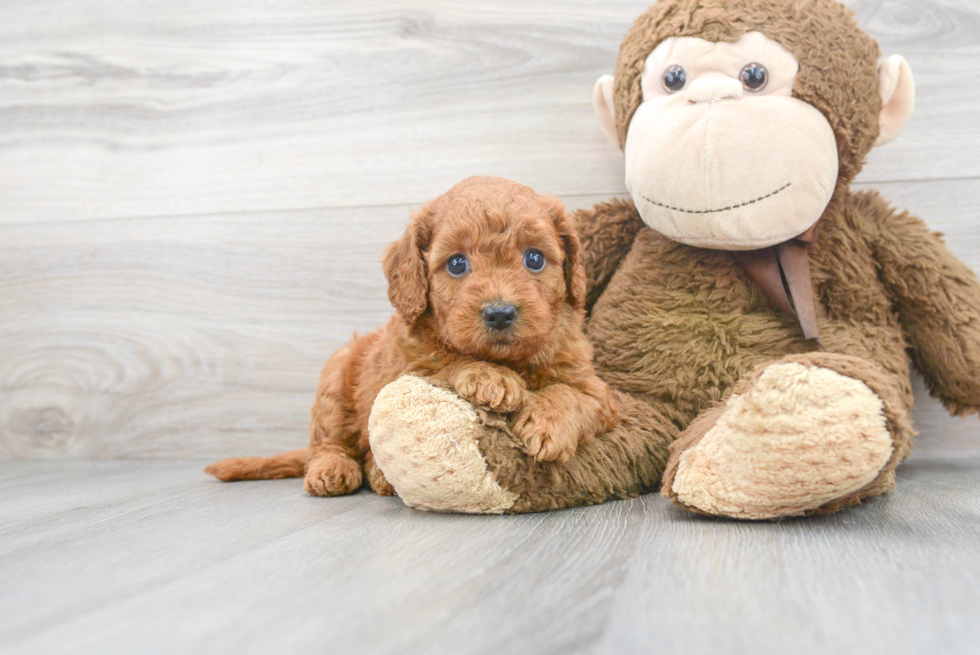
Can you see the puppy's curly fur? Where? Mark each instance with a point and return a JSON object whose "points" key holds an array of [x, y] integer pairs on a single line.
{"points": [[538, 368]]}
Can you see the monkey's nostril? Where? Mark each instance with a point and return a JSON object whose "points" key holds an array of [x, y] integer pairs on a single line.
{"points": [[499, 317]]}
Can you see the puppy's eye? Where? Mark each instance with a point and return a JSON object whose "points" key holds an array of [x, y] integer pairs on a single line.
{"points": [[675, 79], [457, 265], [754, 77], [534, 260]]}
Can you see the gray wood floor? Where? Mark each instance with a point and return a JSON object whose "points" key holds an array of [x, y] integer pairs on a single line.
{"points": [[193, 200], [152, 557]]}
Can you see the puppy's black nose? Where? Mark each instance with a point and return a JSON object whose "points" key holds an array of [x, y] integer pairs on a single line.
{"points": [[499, 317]]}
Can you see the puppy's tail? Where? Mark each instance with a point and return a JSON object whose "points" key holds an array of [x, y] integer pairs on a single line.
{"points": [[290, 464]]}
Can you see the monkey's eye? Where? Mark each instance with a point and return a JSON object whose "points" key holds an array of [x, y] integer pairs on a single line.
{"points": [[675, 79], [457, 265], [534, 260], [754, 77]]}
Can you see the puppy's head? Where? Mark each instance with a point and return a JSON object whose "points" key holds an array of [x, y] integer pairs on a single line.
{"points": [[491, 267]]}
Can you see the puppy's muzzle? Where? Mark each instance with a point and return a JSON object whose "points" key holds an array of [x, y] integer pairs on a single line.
{"points": [[499, 316]]}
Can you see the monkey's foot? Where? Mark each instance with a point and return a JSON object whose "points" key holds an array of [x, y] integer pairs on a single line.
{"points": [[796, 438], [425, 440]]}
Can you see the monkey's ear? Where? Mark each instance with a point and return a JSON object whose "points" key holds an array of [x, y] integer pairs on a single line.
{"points": [[897, 89], [602, 100], [573, 269], [404, 268]]}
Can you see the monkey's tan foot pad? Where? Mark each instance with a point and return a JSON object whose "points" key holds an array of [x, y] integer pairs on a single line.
{"points": [[800, 437], [424, 438]]}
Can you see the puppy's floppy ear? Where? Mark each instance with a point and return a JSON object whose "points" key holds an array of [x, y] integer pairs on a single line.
{"points": [[404, 267], [574, 272]]}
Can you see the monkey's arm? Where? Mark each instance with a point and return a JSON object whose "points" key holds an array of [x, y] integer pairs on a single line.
{"points": [[938, 301], [607, 232]]}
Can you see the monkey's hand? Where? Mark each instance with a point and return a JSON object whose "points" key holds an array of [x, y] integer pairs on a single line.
{"points": [[937, 298]]}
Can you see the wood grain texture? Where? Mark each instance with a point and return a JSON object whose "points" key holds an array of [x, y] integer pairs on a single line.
{"points": [[204, 336], [124, 557], [156, 108], [194, 197], [161, 295]]}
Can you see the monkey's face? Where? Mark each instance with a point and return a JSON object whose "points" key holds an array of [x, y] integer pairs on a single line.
{"points": [[740, 144], [720, 154]]}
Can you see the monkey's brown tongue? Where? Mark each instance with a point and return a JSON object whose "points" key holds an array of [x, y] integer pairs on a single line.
{"points": [[781, 267]]}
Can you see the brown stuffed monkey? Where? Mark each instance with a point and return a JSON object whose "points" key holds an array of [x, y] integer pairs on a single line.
{"points": [[755, 317]]}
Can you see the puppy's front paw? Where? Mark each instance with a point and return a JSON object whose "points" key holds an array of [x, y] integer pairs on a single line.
{"points": [[545, 434], [489, 385]]}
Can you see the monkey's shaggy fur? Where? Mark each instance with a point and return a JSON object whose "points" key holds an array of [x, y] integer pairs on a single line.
{"points": [[679, 332]]}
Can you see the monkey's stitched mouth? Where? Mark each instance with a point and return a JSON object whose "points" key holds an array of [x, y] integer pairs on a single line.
{"points": [[720, 209]]}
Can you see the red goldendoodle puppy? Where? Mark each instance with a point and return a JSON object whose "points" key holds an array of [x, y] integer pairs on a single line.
{"points": [[489, 295]]}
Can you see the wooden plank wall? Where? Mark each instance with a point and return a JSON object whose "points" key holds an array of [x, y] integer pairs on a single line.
{"points": [[194, 194]]}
